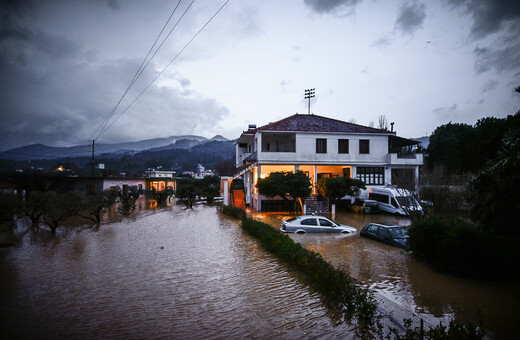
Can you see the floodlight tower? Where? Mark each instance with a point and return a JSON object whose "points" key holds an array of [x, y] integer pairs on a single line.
{"points": [[309, 93]]}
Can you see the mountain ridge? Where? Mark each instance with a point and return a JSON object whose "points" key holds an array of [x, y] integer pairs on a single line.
{"points": [[38, 151]]}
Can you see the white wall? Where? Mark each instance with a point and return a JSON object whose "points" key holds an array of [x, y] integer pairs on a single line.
{"points": [[306, 150], [118, 182]]}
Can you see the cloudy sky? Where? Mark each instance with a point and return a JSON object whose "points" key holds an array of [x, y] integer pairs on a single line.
{"points": [[64, 65]]}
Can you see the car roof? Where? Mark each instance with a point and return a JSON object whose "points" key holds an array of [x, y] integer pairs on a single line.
{"points": [[385, 224]]}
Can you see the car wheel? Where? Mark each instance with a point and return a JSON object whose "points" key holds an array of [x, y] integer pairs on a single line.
{"points": [[300, 232]]}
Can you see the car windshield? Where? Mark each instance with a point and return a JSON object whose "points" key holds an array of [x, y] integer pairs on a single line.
{"points": [[405, 201], [399, 232], [293, 218]]}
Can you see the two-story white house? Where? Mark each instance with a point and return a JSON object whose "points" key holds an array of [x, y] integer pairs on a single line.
{"points": [[323, 147]]}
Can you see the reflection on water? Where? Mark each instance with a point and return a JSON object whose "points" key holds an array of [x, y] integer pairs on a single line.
{"points": [[166, 273], [406, 286]]}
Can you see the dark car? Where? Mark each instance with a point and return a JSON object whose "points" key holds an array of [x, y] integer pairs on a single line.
{"points": [[390, 233]]}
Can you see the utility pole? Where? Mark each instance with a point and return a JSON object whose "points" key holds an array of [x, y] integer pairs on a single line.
{"points": [[308, 95], [93, 162]]}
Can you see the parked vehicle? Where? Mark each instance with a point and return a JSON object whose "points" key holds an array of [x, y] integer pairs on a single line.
{"points": [[395, 200], [314, 224], [371, 207], [390, 233]]}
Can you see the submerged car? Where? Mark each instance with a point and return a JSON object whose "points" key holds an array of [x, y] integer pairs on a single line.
{"points": [[314, 224], [390, 233]]}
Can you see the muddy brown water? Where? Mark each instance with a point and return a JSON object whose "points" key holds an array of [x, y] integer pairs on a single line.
{"points": [[167, 273], [406, 287], [191, 274]]}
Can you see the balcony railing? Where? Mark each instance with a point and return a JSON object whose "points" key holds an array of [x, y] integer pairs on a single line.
{"points": [[405, 158], [246, 158]]}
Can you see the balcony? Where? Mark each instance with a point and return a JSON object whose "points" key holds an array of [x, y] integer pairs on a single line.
{"points": [[246, 158], [406, 159]]}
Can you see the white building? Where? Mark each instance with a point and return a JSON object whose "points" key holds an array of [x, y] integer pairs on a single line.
{"points": [[152, 173], [323, 147]]}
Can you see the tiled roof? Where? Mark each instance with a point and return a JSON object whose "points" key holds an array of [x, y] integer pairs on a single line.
{"points": [[313, 123]]}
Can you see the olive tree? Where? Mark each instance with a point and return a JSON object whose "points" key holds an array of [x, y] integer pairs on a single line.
{"points": [[59, 207], [95, 204], [187, 191], [337, 187], [286, 184], [127, 198]]}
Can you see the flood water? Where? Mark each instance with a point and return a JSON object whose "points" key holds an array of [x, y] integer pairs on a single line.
{"points": [[406, 287], [191, 274], [165, 273]]}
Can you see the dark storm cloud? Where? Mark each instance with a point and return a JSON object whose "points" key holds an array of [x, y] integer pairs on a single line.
{"points": [[411, 17], [329, 6], [57, 90], [494, 16], [489, 15]]}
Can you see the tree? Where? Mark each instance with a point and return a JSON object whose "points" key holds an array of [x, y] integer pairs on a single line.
{"points": [[383, 122], [127, 198], [451, 147], [187, 191], [286, 184], [95, 204], [161, 196], [209, 187], [59, 207], [337, 187], [493, 193], [34, 206]]}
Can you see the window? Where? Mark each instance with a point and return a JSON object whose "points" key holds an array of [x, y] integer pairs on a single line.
{"points": [[372, 175], [342, 145], [384, 233], [364, 146], [346, 172], [325, 223], [321, 145], [309, 221], [379, 197], [373, 229]]}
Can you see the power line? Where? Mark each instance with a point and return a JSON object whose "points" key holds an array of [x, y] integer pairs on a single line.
{"points": [[139, 71], [164, 69]]}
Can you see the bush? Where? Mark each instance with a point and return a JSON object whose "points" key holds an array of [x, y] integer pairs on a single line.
{"points": [[462, 248], [447, 201], [233, 212], [339, 290]]}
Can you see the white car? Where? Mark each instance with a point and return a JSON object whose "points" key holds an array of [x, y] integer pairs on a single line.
{"points": [[314, 224]]}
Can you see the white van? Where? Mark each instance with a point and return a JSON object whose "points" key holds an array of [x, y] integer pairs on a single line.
{"points": [[394, 200]]}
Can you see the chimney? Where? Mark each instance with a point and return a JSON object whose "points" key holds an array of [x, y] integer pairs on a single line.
{"points": [[252, 126]]}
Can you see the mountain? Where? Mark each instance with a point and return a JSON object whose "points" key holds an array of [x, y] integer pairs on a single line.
{"points": [[425, 141], [40, 151], [219, 138]]}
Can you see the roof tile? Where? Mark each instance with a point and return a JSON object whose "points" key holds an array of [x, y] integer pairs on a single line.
{"points": [[314, 123]]}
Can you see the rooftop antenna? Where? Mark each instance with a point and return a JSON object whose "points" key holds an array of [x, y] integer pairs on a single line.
{"points": [[309, 93]]}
